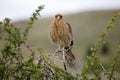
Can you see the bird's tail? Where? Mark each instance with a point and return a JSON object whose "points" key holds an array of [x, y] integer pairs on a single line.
{"points": [[70, 58]]}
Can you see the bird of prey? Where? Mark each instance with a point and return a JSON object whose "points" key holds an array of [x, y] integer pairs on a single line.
{"points": [[61, 35]]}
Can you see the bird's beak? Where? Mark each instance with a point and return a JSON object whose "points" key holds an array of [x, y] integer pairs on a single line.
{"points": [[58, 17]]}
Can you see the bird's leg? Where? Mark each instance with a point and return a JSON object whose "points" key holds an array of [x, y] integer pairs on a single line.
{"points": [[57, 50], [69, 48]]}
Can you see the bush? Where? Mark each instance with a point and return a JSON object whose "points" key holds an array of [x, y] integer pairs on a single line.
{"points": [[13, 65]]}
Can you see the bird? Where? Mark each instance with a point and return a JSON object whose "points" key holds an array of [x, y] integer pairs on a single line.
{"points": [[61, 35]]}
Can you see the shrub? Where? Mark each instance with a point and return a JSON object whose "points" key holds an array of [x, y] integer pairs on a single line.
{"points": [[13, 65]]}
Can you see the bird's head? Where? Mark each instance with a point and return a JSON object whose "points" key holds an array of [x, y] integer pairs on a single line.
{"points": [[58, 16]]}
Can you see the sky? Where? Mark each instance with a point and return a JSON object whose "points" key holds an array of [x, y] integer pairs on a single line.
{"points": [[22, 9]]}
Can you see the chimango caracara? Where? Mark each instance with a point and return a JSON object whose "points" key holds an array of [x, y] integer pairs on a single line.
{"points": [[61, 35]]}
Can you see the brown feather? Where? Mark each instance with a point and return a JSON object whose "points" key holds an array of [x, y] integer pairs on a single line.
{"points": [[61, 34]]}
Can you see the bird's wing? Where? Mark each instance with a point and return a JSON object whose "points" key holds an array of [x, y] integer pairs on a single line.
{"points": [[70, 30]]}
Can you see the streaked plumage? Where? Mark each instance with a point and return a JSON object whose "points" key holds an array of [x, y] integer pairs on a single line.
{"points": [[61, 35]]}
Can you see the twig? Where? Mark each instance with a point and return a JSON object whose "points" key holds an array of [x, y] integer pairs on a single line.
{"points": [[65, 66], [28, 47], [105, 71], [64, 59]]}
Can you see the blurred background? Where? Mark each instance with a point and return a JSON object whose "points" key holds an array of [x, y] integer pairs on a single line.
{"points": [[22, 9], [87, 18]]}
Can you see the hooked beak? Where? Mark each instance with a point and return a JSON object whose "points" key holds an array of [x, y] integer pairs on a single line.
{"points": [[58, 17]]}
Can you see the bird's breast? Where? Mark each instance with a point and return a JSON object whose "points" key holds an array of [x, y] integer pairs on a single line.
{"points": [[60, 35]]}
